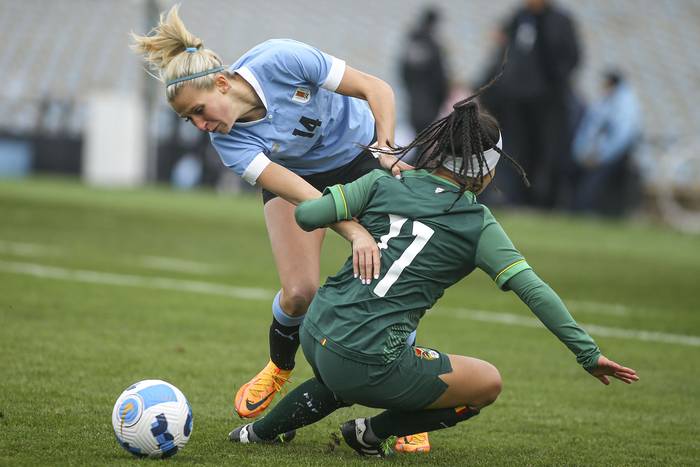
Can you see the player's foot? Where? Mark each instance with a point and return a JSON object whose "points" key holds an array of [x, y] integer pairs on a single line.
{"points": [[413, 443], [355, 435], [245, 435], [254, 396]]}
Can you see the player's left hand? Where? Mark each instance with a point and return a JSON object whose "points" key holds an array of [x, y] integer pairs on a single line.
{"points": [[365, 256], [365, 252], [607, 367]]}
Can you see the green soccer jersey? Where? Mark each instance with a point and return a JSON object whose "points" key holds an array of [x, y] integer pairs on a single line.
{"points": [[428, 240]]}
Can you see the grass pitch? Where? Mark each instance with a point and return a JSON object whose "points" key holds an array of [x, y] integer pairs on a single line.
{"points": [[99, 289]]}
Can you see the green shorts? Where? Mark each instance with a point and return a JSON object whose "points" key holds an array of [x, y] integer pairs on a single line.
{"points": [[410, 382]]}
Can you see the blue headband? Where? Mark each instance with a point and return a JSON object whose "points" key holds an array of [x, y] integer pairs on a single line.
{"points": [[194, 75], [191, 50]]}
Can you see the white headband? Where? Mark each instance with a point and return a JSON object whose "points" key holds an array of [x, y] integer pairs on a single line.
{"points": [[491, 156]]}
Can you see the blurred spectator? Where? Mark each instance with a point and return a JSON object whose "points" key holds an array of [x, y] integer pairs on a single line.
{"points": [[187, 172], [603, 149], [423, 71], [457, 91], [531, 100]]}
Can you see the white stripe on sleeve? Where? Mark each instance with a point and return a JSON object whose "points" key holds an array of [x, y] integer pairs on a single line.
{"points": [[255, 168], [335, 75]]}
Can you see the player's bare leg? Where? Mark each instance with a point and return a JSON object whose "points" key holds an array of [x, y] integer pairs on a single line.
{"points": [[297, 256]]}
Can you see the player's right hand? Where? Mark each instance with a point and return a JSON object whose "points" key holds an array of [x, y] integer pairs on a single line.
{"points": [[389, 162]]}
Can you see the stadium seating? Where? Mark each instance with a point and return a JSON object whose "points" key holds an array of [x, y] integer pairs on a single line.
{"points": [[61, 51]]}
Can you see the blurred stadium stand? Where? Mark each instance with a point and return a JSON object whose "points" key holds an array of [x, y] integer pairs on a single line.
{"points": [[54, 54]]}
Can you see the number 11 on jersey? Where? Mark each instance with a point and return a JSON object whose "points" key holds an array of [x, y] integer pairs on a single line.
{"points": [[422, 233]]}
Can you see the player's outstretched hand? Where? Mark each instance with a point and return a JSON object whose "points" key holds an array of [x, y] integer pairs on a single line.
{"points": [[607, 367]]}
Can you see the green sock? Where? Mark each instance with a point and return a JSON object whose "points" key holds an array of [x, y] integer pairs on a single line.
{"points": [[306, 404], [400, 423]]}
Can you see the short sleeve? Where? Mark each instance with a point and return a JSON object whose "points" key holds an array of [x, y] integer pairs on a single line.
{"points": [[495, 253], [247, 160], [310, 64]]}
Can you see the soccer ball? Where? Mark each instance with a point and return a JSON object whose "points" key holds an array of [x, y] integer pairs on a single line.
{"points": [[152, 418]]}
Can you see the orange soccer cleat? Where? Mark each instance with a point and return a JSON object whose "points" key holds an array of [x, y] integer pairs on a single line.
{"points": [[256, 395], [413, 443]]}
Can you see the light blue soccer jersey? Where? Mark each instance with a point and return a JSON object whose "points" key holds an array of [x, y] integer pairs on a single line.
{"points": [[308, 127]]}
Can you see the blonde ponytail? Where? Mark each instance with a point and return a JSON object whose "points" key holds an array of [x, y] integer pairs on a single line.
{"points": [[176, 55]]}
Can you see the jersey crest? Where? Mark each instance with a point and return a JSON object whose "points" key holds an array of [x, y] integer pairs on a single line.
{"points": [[426, 354], [301, 95]]}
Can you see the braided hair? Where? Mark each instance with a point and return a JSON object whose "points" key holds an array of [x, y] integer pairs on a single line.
{"points": [[465, 134]]}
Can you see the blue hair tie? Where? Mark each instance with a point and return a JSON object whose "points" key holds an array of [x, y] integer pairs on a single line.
{"points": [[191, 50]]}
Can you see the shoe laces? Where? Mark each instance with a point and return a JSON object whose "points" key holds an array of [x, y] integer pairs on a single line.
{"points": [[270, 377], [418, 438]]}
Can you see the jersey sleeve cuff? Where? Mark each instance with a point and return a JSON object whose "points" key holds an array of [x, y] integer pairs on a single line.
{"points": [[255, 168], [506, 274], [590, 362], [342, 213], [335, 75]]}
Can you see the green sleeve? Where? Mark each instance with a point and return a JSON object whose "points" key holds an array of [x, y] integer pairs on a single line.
{"points": [[495, 253], [549, 308], [315, 213], [339, 202]]}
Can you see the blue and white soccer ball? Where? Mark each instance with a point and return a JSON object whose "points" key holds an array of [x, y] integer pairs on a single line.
{"points": [[152, 418]]}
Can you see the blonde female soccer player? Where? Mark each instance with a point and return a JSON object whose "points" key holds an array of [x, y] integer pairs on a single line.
{"points": [[293, 120]]}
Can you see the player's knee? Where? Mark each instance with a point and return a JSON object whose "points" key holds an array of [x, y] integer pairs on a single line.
{"points": [[296, 299], [491, 386]]}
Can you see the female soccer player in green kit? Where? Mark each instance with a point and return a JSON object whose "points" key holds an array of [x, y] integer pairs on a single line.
{"points": [[431, 232]]}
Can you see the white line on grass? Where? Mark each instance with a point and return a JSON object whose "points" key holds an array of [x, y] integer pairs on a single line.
{"points": [[180, 265], [162, 263], [27, 249], [95, 277], [253, 293], [517, 320]]}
